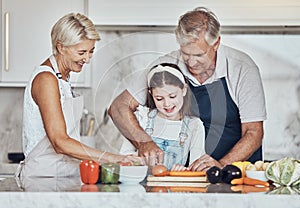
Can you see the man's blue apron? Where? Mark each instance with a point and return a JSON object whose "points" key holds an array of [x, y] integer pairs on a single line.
{"points": [[221, 119]]}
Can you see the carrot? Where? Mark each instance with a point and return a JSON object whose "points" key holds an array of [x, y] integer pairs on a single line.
{"points": [[249, 189], [237, 181], [188, 189], [187, 173], [251, 181]]}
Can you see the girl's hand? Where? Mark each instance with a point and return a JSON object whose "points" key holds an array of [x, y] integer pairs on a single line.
{"points": [[151, 152], [178, 167]]}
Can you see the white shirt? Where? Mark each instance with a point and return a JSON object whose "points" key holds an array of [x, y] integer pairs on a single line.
{"points": [[170, 129]]}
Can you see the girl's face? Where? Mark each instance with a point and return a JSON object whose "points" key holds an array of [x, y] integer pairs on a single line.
{"points": [[169, 101]]}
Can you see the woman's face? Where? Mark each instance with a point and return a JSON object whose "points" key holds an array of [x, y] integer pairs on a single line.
{"points": [[169, 101], [75, 56]]}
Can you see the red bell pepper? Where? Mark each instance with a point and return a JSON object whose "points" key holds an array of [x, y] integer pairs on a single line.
{"points": [[89, 188], [89, 171]]}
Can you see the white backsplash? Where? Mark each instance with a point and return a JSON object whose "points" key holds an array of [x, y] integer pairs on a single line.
{"points": [[121, 53]]}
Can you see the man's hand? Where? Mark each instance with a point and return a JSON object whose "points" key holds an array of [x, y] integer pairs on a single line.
{"points": [[204, 163], [152, 153]]}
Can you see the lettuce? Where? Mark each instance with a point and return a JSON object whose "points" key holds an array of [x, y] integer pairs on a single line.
{"points": [[285, 190], [284, 172], [272, 171], [296, 174], [286, 168]]}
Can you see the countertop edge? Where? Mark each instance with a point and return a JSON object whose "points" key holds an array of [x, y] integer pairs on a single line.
{"points": [[111, 199]]}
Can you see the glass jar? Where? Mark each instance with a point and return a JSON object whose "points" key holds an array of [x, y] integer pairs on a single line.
{"points": [[110, 173]]}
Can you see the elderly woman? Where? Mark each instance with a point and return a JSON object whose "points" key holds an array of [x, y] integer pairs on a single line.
{"points": [[52, 112]]}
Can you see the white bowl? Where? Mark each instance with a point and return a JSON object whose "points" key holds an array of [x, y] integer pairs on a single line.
{"points": [[132, 188], [256, 174], [132, 174]]}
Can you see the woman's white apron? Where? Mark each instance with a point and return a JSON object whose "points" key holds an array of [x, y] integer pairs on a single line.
{"points": [[43, 161]]}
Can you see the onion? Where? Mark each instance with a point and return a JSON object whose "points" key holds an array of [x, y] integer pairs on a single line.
{"points": [[160, 170]]}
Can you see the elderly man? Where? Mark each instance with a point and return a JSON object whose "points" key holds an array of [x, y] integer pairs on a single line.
{"points": [[227, 87]]}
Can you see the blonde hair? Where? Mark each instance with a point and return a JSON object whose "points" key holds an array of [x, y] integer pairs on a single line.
{"points": [[197, 23], [71, 29]]}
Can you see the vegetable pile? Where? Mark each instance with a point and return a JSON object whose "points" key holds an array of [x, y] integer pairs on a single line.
{"points": [[233, 174], [284, 172], [258, 166]]}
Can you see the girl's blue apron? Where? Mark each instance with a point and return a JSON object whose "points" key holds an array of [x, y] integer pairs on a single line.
{"points": [[221, 119], [173, 149]]}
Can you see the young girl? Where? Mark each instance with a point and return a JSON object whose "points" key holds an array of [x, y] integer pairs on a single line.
{"points": [[168, 120]]}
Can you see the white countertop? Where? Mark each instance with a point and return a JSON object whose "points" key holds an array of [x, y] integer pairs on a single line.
{"points": [[145, 200], [70, 192]]}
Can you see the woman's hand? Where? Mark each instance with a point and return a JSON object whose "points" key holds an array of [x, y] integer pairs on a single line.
{"points": [[133, 159], [203, 163]]}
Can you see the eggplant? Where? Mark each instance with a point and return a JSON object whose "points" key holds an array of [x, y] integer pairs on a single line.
{"points": [[230, 172], [213, 175]]}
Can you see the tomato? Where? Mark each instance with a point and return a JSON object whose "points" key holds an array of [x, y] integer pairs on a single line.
{"points": [[89, 171], [160, 170]]}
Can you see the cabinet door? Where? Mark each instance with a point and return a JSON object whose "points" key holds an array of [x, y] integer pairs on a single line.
{"points": [[167, 13], [26, 41]]}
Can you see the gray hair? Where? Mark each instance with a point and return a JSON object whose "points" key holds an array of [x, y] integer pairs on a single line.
{"points": [[193, 24], [71, 29]]}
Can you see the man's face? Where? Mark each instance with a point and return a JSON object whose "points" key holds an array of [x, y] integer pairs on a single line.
{"points": [[199, 56]]}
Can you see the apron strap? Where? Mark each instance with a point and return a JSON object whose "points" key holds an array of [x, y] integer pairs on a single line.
{"points": [[150, 121], [55, 68], [183, 135]]}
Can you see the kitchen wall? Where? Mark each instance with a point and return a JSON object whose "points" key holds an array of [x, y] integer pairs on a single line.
{"points": [[121, 53]]}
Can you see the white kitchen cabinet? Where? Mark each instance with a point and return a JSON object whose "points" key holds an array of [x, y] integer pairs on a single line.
{"points": [[26, 41], [167, 12]]}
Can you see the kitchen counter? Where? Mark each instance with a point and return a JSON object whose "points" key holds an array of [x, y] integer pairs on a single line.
{"points": [[70, 192]]}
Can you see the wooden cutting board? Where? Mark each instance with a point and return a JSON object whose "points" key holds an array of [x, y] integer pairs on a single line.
{"points": [[177, 184], [177, 181]]}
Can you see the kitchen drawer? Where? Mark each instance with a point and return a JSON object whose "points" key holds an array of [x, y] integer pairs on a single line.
{"points": [[8, 168]]}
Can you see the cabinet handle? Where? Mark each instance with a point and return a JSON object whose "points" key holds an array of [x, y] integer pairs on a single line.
{"points": [[6, 41]]}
